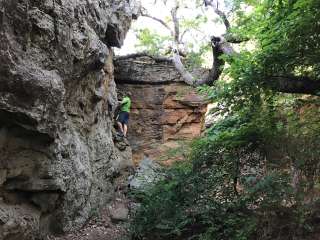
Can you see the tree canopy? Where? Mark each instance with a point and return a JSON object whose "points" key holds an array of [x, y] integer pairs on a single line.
{"points": [[286, 37], [280, 41]]}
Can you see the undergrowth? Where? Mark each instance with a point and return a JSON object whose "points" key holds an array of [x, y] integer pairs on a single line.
{"points": [[251, 177]]}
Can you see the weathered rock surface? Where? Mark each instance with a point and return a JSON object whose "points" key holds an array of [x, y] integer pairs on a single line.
{"points": [[57, 97], [146, 175], [119, 212], [164, 109], [19, 222]]}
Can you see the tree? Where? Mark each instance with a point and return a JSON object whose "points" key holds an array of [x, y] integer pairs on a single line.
{"points": [[286, 35], [281, 31], [178, 30]]}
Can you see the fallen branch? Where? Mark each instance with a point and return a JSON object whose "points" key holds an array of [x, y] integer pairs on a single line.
{"points": [[293, 84]]}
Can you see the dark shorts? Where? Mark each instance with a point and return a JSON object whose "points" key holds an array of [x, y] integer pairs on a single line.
{"points": [[123, 117]]}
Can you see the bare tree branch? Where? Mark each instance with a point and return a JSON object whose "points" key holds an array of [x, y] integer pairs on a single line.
{"points": [[220, 13], [224, 18], [163, 23], [186, 75], [182, 35], [175, 19]]}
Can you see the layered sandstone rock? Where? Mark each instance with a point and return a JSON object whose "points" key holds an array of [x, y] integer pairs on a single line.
{"points": [[58, 159], [165, 111]]}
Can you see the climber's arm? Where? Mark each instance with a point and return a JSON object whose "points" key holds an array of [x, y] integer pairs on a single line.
{"points": [[124, 101]]}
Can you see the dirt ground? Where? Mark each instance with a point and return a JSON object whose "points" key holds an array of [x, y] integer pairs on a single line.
{"points": [[109, 225], [98, 229]]}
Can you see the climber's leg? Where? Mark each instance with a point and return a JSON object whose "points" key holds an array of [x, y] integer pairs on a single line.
{"points": [[125, 129], [125, 123], [120, 127], [123, 120]]}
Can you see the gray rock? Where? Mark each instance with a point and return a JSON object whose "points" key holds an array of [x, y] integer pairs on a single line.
{"points": [[120, 212], [145, 70], [57, 97], [146, 175], [46, 201]]}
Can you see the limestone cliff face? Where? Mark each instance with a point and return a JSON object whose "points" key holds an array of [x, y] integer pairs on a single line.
{"points": [[165, 111], [58, 158]]}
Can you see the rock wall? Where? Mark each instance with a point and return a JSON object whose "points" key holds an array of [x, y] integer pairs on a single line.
{"points": [[165, 111], [57, 97]]}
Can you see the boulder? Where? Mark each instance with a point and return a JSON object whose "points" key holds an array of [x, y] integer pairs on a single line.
{"points": [[147, 173], [119, 213]]}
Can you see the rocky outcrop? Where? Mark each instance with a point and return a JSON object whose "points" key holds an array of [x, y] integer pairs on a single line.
{"points": [[165, 111], [57, 97]]}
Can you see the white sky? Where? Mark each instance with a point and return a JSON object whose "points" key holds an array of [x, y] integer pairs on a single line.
{"points": [[159, 10]]}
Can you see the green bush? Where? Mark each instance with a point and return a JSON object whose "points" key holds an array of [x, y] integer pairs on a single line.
{"points": [[211, 196]]}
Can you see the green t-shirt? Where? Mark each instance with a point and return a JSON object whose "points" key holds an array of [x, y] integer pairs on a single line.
{"points": [[125, 104]]}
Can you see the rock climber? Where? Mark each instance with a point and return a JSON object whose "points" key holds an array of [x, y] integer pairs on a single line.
{"points": [[123, 117]]}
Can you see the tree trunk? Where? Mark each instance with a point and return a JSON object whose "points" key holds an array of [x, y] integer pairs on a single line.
{"points": [[186, 75], [293, 84], [219, 47]]}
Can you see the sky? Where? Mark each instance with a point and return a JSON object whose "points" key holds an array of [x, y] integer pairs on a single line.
{"points": [[159, 10]]}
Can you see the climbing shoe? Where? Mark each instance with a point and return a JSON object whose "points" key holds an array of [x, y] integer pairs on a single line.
{"points": [[120, 134]]}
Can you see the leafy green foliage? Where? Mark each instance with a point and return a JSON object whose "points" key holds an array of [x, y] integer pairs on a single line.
{"points": [[235, 184], [151, 42], [196, 59], [195, 23], [287, 36]]}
